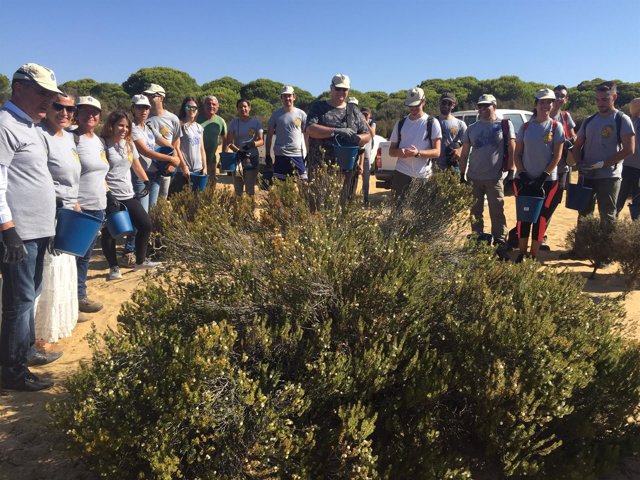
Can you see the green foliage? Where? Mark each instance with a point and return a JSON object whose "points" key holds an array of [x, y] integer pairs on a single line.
{"points": [[341, 344], [5, 88], [79, 87], [261, 109], [591, 239], [624, 245], [111, 95], [264, 89], [224, 82], [177, 84]]}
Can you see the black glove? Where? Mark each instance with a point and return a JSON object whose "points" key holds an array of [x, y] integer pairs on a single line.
{"points": [[14, 249], [113, 205], [249, 145], [463, 178], [347, 136], [59, 203], [145, 190], [538, 182], [51, 248], [268, 161]]}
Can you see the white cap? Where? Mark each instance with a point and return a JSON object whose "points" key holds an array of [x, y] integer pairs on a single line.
{"points": [[140, 100], [353, 100], [287, 90], [414, 97], [89, 101], [341, 80], [154, 89], [488, 98], [43, 76]]}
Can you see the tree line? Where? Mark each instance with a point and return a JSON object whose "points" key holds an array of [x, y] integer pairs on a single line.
{"points": [[264, 94]]}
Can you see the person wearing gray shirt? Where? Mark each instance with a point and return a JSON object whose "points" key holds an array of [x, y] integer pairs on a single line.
{"points": [[287, 123], [604, 150], [486, 166], [244, 137], [27, 213], [453, 130], [630, 183], [64, 165]]}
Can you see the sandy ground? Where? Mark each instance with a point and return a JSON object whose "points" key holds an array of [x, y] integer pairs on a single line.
{"points": [[32, 450]]}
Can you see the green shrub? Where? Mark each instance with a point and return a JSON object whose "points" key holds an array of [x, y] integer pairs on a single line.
{"points": [[344, 344], [591, 239], [625, 247]]}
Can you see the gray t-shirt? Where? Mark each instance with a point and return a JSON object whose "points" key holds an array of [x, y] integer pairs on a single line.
{"points": [[288, 127], [485, 160], [601, 142], [64, 165], [94, 167], [452, 131], [167, 124], [190, 145], [244, 132], [30, 193], [562, 166], [323, 113], [538, 140], [120, 156], [147, 135], [634, 160]]}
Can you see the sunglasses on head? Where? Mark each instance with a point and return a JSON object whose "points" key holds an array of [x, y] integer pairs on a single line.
{"points": [[58, 107]]}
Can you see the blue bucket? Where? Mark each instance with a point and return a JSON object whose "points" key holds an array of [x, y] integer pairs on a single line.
{"points": [[634, 210], [578, 196], [528, 208], [119, 223], [75, 231], [228, 161], [198, 181], [164, 166], [346, 156]]}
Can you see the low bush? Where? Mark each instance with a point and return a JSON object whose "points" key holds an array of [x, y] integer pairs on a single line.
{"points": [[341, 344], [591, 240], [625, 247]]}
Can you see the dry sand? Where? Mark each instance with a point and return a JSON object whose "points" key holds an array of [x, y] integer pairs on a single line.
{"points": [[32, 450]]}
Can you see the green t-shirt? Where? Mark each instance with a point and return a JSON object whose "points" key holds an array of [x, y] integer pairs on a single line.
{"points": [[214, 128]]}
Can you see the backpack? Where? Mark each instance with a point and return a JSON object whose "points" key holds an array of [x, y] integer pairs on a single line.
{"points": [[618, 120], [427, 135], [504, 124]]}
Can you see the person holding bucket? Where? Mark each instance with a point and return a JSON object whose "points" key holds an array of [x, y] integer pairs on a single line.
{"points": [[123, 157], [27, 213], [57, 312], [244, 138], [331, 124], [91, 190], [539, 145], [191, 146]]}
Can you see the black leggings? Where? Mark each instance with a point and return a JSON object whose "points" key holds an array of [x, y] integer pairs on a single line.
{"points": [[141, 220], [551, 201]]}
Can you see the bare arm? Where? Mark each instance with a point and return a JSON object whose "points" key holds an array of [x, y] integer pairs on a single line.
{"points": [[628, 148], [511, 148], [145, 151], [464, 156]]}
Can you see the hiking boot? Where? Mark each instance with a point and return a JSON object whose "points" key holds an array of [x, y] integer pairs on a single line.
{"points": [[146, 265], [29, 383], [128, 259], [114, 273], [88, 306]]}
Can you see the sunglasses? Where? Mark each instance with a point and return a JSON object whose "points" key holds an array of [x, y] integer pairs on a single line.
{"points": [[191, 107], [58, 107], [485, 105], [152, 95], [142, 107], [340, 89]]}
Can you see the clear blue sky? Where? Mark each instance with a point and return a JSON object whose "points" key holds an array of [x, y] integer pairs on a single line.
{"points": [[382, 45]]}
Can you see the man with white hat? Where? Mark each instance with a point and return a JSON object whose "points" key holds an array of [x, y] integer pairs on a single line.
{"points": [[331, 121], [168, 125], [27, 213], [487, 165], [288, 125], [415, 141]]}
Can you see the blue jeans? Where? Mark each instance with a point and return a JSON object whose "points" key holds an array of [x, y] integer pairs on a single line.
{"points": [[148, 202], [82, 263], [21, 285]]}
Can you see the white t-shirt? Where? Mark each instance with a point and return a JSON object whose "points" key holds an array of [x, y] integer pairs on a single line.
{"points": [[414, 132], [120, 157], [190, 145]]}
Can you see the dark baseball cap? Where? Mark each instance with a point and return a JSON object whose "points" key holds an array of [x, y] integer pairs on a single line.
{"points": [[448, 96]]}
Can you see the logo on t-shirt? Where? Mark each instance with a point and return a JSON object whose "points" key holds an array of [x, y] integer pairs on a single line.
{"points": [[75, 154], [297, 122], [103, 155], [453, 131], [164, 131], [548, 137], [252, 132], [130, 157], [606, 131]]}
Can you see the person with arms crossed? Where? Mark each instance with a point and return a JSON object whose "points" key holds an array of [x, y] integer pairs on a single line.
{"points": [[215, 129]]}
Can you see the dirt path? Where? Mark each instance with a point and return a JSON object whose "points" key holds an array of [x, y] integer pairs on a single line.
{"points": [[32, 451]]}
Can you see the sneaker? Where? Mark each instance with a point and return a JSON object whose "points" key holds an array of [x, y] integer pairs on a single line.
{"points": [[146, 265], [128, 259], [88, 306], [543, 245], [114, 273]]}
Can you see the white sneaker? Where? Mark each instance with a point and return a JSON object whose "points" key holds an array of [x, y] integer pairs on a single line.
{"points": [[114, 273], [146, 265]]}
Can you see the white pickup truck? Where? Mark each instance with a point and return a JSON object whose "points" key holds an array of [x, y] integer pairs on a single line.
{"points": [[385, 165]]}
